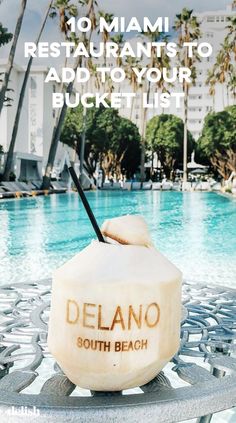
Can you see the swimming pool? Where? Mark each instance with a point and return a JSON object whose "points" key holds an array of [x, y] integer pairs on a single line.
{"points": [[197, 231]]}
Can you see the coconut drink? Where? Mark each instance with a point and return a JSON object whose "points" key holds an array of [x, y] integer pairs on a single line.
{"points": [[116, 310]]}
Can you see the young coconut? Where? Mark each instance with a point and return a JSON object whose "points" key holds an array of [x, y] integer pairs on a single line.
{"points": [[116, 310]]}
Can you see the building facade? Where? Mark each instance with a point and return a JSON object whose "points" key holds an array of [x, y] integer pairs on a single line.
{"points": [[36, 124], [213, 26], [214, 30]]}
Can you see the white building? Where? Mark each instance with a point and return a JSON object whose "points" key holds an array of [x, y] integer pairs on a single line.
{"points": [[36, 123], [213, 30]]}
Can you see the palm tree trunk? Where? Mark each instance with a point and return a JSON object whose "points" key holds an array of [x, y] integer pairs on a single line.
{"points": [[82, 148], [223, 95], [9, 160], [185, 157], [12, 54], [59, 123], [143, 140], [132, 107], [57, 132]]}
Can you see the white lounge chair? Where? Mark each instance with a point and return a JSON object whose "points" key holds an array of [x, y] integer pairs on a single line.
{"points": [[6, 194], [127, 186], [116, 185], [216, 186], [156, 186], [176, 186], [147, 186], [58, 187], [206, 186], [136, 186], [202, 186], [12, 187], [167, 186]]}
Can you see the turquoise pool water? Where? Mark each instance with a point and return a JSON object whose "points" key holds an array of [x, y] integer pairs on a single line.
{"points": [[197, 231]]}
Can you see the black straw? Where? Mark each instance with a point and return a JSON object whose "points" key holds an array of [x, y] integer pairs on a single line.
{"points": [[86, 205]]}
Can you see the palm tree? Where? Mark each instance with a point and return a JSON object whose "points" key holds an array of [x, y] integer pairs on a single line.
{"points": [[226, 65], [155, 62], [232, 85], [12, 54], [231, 39], [90, 4], [119, 40], [91, 13], [223, 68], [231, 36], [187, 26], [211, 81], [130, 63], [5, 36], [105, 34], [95, 80], [163, 62], [9, 160], [64, 9], [8, 100]]}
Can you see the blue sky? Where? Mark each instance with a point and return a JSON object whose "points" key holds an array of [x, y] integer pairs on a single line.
{"points": [[35, 10]]}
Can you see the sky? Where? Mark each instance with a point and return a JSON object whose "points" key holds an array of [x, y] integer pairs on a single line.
{"points": [[9, 10]]}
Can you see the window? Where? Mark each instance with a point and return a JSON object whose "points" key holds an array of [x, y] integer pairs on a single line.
{"points": [[33, 127], [211, 19], [33, 87], [33, 115], [53, 110], [195, 109], [195, 97], [33, 83]]}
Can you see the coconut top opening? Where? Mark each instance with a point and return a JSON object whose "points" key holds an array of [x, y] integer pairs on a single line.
{"points": [[127, 230]]}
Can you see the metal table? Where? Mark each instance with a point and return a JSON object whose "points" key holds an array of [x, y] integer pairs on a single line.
{"points": [[200, 380]]}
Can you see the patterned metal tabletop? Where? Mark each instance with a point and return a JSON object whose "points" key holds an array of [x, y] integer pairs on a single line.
{"points": [[200, 380]]}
